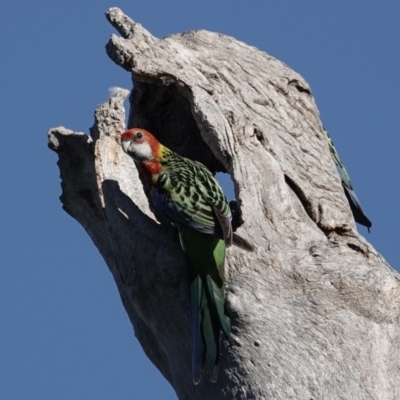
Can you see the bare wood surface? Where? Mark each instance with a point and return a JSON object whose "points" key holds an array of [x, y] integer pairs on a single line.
{"points": [[315, 309]]}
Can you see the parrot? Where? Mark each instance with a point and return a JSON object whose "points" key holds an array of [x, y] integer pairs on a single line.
{"points": [[355, 205], [186, 193]]}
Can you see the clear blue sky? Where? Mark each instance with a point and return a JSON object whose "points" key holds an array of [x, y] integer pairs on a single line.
{"points": [[64, 333]]}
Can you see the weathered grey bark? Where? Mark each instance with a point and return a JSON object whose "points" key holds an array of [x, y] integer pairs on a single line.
{"points": [[315, 309]]}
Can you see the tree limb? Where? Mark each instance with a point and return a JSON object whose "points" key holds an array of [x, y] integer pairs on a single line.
{"points": [[315, 309]]}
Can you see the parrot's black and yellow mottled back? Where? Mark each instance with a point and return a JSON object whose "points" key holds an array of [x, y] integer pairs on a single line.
{"points": [[187, 194], [355, 205]]}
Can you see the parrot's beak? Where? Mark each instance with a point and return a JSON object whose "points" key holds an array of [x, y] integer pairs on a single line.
{"points": [[125, 145]]}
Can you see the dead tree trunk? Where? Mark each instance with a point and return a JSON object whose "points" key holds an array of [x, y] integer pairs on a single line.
{"points": [[315, 309]]}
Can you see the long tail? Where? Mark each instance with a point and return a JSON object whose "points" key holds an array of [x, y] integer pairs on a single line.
{"points": [[356, 209], [355, 205], [206, 256], [208, 319]]}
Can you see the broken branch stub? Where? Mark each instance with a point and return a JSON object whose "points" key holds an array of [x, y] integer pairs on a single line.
{"points": [[315, 311]]}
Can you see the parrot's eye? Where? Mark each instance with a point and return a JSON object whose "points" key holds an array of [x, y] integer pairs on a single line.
{"points": [[139, 135]]}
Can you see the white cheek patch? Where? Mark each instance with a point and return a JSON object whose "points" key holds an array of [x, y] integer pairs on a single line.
{"points": [[143, 152]]}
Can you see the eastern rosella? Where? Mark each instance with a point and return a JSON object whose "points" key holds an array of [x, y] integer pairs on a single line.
{"points": [[355, 205], [187, 194]]}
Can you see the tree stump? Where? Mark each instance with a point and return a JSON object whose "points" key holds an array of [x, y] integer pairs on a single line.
{"points": [[315, 309]]}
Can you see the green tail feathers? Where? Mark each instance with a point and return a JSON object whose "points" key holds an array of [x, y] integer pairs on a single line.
{"points": [[358, 213], [206, 254]]}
